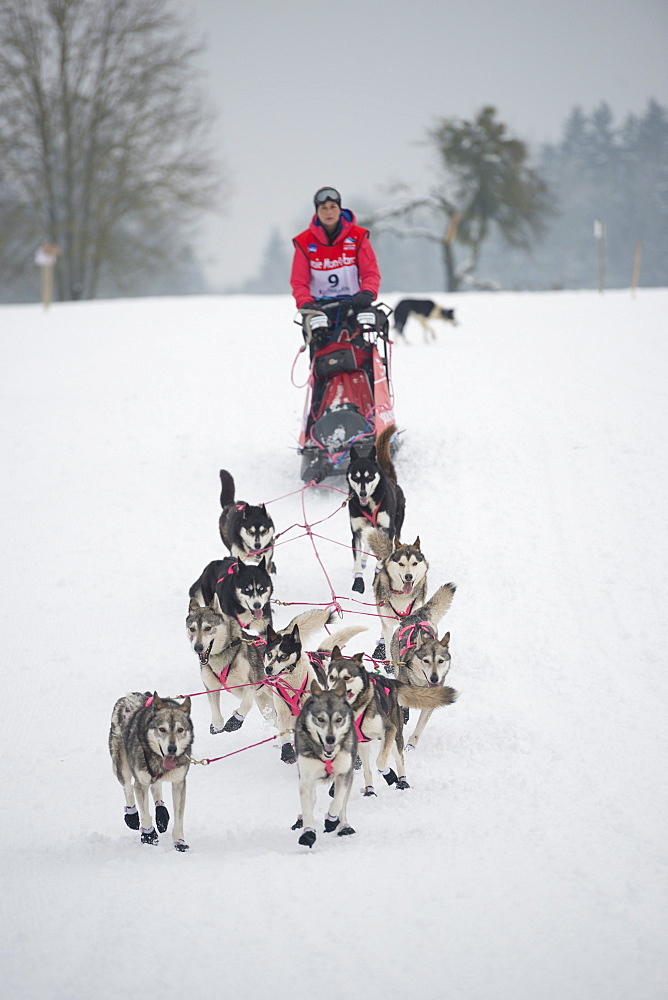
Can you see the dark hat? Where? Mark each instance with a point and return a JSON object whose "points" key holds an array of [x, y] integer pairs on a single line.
{"points": [[326, 194]]}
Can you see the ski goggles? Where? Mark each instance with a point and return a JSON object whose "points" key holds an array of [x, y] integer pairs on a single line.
{"points": [[326, 194]]}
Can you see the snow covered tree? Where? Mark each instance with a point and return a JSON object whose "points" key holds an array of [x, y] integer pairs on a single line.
{"points": [[102, 138]]}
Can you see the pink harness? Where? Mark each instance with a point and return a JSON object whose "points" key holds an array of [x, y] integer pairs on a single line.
{"points": [[291, 700], [373, 517], [412, 631]]}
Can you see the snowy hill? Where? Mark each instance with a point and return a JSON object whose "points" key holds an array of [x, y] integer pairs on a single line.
{"points": [[528, 860]]}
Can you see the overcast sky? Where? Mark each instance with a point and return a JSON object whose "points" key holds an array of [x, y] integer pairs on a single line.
{"points": [[311, 93]]}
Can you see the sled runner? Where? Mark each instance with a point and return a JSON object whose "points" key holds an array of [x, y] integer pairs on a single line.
{"points": [[349, 399]]}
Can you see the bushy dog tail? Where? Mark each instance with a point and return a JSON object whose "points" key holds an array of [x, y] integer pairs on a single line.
{"points": [[438, 604], [425, 697], [310, 622], [226, 488], [340, 638], [383, 455], [379, 543]]}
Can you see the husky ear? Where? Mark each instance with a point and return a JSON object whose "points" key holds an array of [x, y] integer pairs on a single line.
{"points": [[315, 689], [340, 688], [185, 707], [262, 565], [194, 606], [445, 641], [359, 657], [156, 701], [354, 454], [372, 454], [295, 634], [263, 509], [271, 635], [336, 653], [419, 640], [215, 605], [416, 543]]}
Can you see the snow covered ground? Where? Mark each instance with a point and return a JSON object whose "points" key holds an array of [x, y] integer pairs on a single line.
{"points": [[528, 859]]}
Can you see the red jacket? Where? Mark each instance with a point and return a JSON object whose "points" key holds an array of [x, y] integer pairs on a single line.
{"points": [[349, 265]]}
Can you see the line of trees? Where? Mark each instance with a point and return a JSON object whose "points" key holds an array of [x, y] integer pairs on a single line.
{"points": [[103, 141]]}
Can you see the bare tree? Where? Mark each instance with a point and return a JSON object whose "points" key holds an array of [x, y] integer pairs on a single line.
{"points": [[103, 137], [486, 183]]}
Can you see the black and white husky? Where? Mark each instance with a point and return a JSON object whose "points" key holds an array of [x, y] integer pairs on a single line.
{"points": [[422, 659], [290, 670], [326, 745], [246, 530], [377, 704], [399, 586], [375, 499], [150, 741], [237, 589], [422, 310]]}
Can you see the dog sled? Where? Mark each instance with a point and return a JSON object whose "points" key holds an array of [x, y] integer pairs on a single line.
{"points": [[349, 398]]}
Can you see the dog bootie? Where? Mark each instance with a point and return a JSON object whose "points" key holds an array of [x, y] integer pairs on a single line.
{"points": [[288, 755], [368, 791], [389, 775], [132, 817], [331, 823], [149, 836], [233, 723], [298, 824], [379, 651], [358, 583], [214, 731], [345, 831], [402, 783], [307, 838], [161, 817], [180, 845]]}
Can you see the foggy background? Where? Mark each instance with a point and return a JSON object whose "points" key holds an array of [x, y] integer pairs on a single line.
{"points": [[310, 93]]}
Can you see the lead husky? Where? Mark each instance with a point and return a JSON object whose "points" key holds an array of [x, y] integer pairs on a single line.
{"points": [[246, 530], [229, 660], [150, 741], [399, 586], [375, 500], [326, 744], [238, 590], [376, 704], [291, 671]]}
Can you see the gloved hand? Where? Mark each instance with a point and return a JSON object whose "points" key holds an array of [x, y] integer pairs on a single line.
{"points": [[362, 300]]}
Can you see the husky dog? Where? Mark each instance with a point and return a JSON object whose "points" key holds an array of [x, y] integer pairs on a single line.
{"points": [[376, 500], [399, 586], [422, 310], [247, 531], [423, 659], [291, 670], [229, 660], [376, 703], [237, 589], [326, 744], [150, 741]]}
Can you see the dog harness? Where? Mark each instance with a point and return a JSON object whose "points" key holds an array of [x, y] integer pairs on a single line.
{"points": [[407, 636], [376, 679], [292, 700], [373, 516], [399, 614]]}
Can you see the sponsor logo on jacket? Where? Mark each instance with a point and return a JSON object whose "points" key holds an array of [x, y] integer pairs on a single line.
{"points": [[331, 262]]}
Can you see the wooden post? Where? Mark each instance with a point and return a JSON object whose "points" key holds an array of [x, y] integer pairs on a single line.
{"points": [[599, 233], [45, 258], [636, 267]]}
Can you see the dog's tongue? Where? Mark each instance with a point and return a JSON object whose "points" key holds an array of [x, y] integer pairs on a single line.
{"points": [[257, 613], [406, 589], [169, 762]]}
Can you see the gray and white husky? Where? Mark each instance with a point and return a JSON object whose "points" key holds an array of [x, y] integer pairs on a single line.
{"points": [[290, 671], [399, 586], [150, 741], [422, 658], [326, 744], [229, 660], [376, 704]]}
